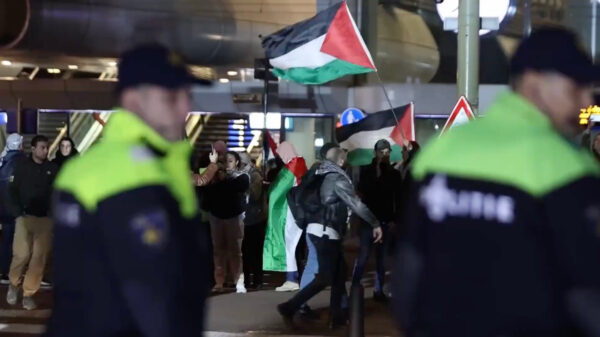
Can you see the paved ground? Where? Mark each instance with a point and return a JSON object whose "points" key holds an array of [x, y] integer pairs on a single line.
{"points": [[254, 313], [229, 314], [16, 322]]}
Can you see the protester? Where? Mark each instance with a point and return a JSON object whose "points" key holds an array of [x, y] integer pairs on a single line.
{"points": [[312, 263], [504, 211], [378, 187], [207, 168], [29, 195], [409, 152], [255, 223], [208, 173], [227, 204], [326, 226], [11, 155], [127, 258], [66, 151]]}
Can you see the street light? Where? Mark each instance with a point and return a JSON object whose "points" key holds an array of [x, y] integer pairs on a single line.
{"points": [[492, 12]]}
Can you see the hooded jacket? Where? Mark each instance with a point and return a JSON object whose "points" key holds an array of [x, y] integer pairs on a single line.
{"points": [[338, 195], [9, 161], [381, 194]]}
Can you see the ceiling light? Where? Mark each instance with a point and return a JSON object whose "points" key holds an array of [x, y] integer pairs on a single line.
{"points": [[232, 73], [112, 63], [53, 71], [6, 63], [73, 67], [224, 80]]}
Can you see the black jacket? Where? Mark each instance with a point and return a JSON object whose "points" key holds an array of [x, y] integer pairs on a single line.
{"points": [[337, 195], [31, 188], [381, 194], [6, 172], [227, 198]]}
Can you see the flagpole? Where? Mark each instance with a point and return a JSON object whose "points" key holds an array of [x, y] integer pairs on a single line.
{"points": [[389, 102]]}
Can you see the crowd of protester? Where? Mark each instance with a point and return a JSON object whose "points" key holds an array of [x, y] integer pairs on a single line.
{"points": [[26, 185], [483, 248], [234, 195]]}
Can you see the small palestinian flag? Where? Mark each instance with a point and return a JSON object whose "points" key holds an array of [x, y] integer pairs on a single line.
{"points": [[359, 138], [320, 49]]}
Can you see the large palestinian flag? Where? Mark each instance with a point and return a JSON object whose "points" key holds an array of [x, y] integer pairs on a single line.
{"points": [[320, 49], [359, 138], [283, 234]]}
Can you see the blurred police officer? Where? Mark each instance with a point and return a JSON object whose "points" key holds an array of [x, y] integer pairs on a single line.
{"points": [[126, 251], [505, 211]]}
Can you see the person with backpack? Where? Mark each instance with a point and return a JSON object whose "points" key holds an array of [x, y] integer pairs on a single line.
{"points": [[320, 204]]}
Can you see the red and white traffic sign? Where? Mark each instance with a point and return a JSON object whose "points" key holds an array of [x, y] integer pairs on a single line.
{"points": [[461, 114]]}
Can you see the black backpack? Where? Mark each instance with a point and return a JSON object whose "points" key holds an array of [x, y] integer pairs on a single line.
{"points": [[304, 200]]}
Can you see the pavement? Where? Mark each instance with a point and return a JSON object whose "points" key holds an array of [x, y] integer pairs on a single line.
{"points": [[228, 314], [17, 322], [255, 314]]}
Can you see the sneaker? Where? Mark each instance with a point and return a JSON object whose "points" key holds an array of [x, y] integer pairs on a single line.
{"points": [[29, 303], [240, 289], [288, 286], [287, 315], [4, 280], [218, 288], [12, 294], [45, 285], [379, 296], [308, 314]]}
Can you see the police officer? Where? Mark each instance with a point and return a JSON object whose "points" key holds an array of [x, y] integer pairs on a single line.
{"points": [[505, 211], [127, 257]]}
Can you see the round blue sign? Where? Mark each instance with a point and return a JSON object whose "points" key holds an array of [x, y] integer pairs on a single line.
{"points": [[351, 115]]}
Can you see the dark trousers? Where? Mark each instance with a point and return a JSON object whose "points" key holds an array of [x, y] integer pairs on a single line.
{"points": [[366, 244], [6, 247], [331, 272], [206, 238], [252, 251]]}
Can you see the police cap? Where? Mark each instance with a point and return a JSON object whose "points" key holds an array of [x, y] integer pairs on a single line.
{"points": [[156, 65], [555, 49]]}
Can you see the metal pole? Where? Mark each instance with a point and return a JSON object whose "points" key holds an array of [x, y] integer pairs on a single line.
{"points": [[527, 18], [468, 51], [594, 26], [19, 116], [265, 111], [357, 312]]}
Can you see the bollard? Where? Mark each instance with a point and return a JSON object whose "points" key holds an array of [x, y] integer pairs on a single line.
{"points": [[357, 311]]}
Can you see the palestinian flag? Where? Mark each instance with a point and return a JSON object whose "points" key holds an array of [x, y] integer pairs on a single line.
{"points": [[320, 49], [283, 234], [359, 138]]}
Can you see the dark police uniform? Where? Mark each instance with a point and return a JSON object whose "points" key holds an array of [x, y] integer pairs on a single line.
{"points": [[505, 227], [126, 251]]}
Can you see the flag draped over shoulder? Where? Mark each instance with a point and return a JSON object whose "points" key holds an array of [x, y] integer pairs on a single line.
{"points": [[282, 234], [320, 49], [359, 138]]}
